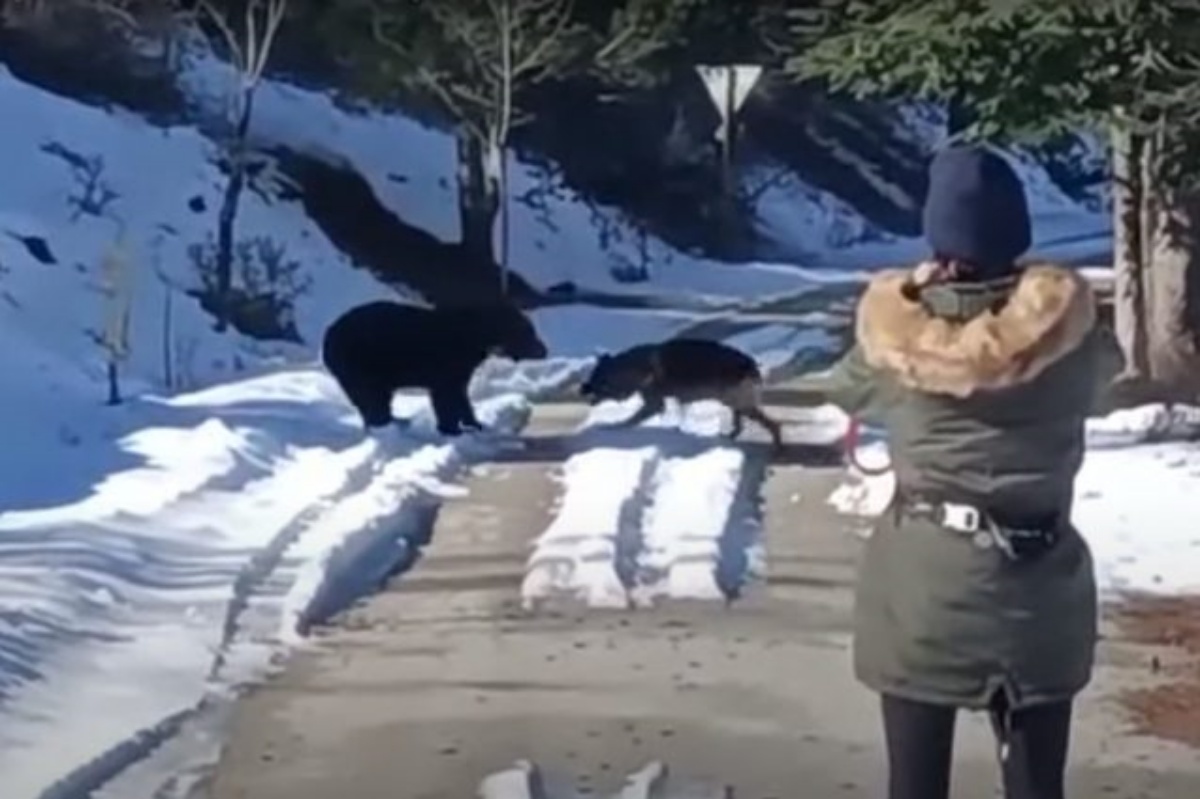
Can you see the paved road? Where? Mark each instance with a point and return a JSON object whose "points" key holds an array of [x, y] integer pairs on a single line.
{"points": [[442, 679]]}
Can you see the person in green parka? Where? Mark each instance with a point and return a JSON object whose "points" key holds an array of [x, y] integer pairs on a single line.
{"points": [[975, 591]]}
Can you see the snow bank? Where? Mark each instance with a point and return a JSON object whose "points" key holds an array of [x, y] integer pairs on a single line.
{"points": [[1134, 498], [257, 509], [368, 536]]}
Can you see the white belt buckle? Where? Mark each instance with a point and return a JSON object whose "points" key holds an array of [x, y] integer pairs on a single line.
{"points": [[963, 518]]}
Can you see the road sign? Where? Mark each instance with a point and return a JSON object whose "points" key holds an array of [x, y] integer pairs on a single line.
{"points": [[729, 85]]}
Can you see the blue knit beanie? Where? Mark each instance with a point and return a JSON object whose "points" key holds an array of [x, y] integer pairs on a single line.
{"points": [[976, 211]]}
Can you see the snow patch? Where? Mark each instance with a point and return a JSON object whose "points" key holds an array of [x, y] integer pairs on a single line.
{"points": [[695, 498], [663, 510]]}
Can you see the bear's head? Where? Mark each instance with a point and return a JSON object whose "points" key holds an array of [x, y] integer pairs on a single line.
{"points": [[511, 334]]}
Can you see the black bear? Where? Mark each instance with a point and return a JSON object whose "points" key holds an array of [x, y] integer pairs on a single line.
{"points": [[374, 349], [687, 370]]}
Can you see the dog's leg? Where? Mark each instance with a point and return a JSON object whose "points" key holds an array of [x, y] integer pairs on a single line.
{"points": [[735, 427], [745, 400], [770, 425], [652, 405]]}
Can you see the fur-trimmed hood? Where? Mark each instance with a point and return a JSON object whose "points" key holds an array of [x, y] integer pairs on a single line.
{"points": [[1049, 313]]}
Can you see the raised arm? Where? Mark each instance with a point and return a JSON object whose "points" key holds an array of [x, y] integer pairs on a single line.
{"points": [[850, 384]]}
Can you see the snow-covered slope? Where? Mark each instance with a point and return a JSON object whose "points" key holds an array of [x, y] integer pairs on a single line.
{"points": [[82, 181], [555, 238], [83, 184]]}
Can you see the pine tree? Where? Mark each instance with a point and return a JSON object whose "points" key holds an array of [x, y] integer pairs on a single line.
{"points": [[1028, 70]]}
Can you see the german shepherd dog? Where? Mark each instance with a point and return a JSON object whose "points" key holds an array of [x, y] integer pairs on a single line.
{"points": [[686, 370]]}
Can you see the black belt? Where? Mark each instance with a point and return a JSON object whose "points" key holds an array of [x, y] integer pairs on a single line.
{"points": [[1018, 539]]}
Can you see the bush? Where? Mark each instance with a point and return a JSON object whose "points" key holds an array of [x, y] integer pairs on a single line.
{"points": [[266, 285]]}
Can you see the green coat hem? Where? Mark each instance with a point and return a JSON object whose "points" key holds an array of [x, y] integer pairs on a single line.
{"points": [[977, 701]]}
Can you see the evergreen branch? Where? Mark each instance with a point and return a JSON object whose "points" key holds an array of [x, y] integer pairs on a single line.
{"points": [[632, 23], [426, 76]]}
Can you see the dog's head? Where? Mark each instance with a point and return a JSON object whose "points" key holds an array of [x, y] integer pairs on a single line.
{"points": [[511, 335], [613, 378]]}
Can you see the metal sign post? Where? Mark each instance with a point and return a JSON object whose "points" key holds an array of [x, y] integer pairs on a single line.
{"points": [[728, 86]]}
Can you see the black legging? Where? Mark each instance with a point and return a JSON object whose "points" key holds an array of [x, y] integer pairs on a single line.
{"points": [[920, 742]]}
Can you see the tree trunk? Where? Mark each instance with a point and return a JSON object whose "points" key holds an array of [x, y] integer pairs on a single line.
{"points": [[505, 223], [228, 213], [168, 336], [114, 383], [1172, 239], [1129, 295], [478, 199], [958, 118]]}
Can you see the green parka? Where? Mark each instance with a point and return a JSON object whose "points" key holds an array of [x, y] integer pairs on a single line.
{"points": [[983, 393]]}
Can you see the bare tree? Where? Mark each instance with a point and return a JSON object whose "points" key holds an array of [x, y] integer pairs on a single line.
{"points": [[498, 147], [476, 64], [116, 284], [473, 60], [247, 39]]}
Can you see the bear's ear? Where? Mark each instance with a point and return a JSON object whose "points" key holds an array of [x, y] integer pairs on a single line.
{"points": [[601, 354]]}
